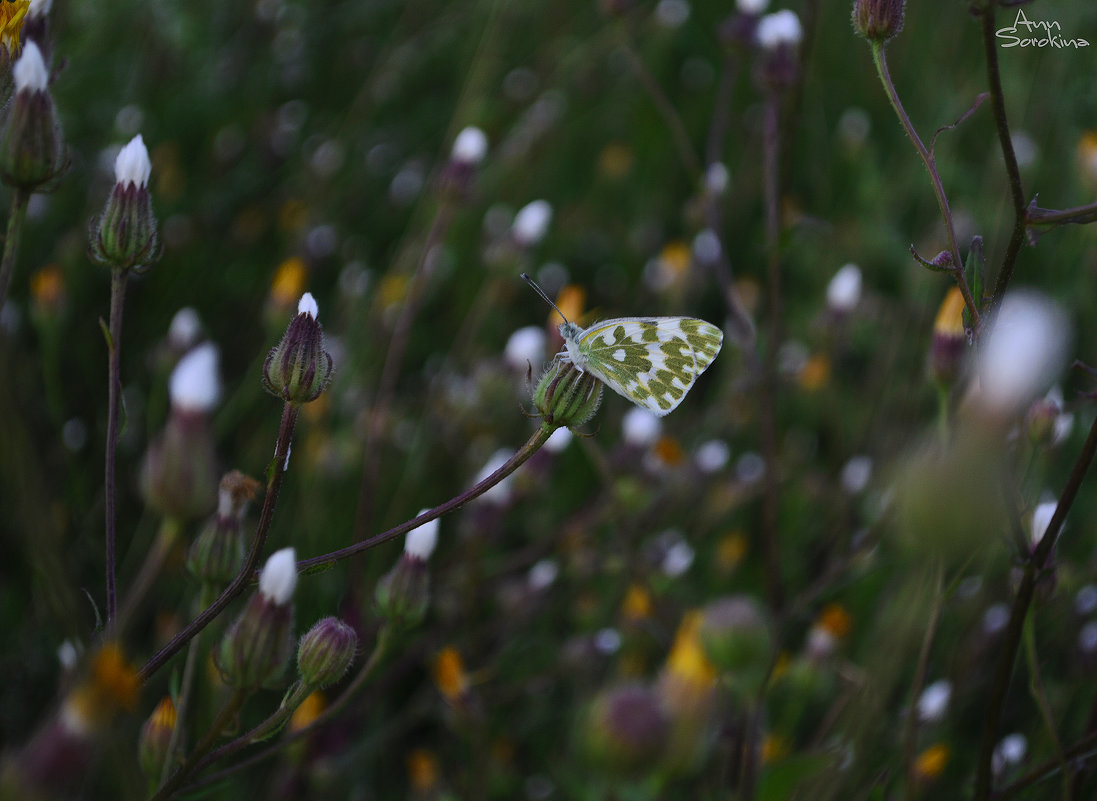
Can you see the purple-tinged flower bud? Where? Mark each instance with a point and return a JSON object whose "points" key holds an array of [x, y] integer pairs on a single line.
{"points": [[299, 368], [259, 643], [155, 738], [403, 594], [36, 27], [218, 552], [949, 349], [326, 652], [469, 148], [125, 236], [32, 151], [878, 20], [778, 35], [627, 728], [179, 474], [566, 396]]}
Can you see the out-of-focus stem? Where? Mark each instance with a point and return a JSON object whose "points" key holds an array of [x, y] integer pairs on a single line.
{"points": [[114, 392], [18, 213]]}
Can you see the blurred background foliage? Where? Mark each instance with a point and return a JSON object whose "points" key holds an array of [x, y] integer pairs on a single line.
{"points": [[307, 142]]}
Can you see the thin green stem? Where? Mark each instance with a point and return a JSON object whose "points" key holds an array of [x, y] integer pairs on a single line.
{"points": [[1036, 687], [1011, 639], [924, 154], [1005, 140], [533, 444], [114, 395], [18, 213], [910, 728], [275, 471]]}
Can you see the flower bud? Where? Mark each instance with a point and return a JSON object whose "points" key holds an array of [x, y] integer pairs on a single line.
{"points": [[258, 644], [531, 223], [155, 739], [566, 396], [627, 728], [469, 148], [403, 594], [37, 26], [326, 652], [779, 36], [299, 368], [946, 358], [125, 236], [735, 634], [878, 20], [218, 553], [32, 150], [179, 474]]}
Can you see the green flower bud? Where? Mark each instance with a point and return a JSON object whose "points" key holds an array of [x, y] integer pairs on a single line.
{"points": [[299, 368], [326, 652], [626, 728], [218, 552], [32, 150], [878, 20], [735, 635], [403, 594], [259, 643], [125, 236], [566, 396]]}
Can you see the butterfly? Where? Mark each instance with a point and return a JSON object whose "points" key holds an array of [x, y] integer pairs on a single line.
{"points": [[652, 361]]}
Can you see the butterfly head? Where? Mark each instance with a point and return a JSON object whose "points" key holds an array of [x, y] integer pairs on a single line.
{"points": [[569, 331]]}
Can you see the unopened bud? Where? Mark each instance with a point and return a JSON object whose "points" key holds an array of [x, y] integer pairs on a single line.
{"points": [[299, 368], [566, 395], [258, 644], [125, 237], [326, 652], [735, 634], [155, 739], [218, 553], [949, 348], [32, 151], [403, 594], [878, 20]]}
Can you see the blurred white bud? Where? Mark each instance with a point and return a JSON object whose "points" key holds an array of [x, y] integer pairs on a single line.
{"points": [[1010, 750], [752, 7], [531, 223], [525, 347], [543, 574], [1026, 349], [470, 146], [194, 385], [29, 72], [717, 178], [933, 703], [712, 455], [844, 289], [640, 428], [420, 542], [779, 28], [184, 329], [500, 493], [856, 474], [39, 8], [558, 440], [278, 578], [1041, 517]]}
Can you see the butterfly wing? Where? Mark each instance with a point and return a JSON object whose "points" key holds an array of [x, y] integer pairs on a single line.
{"points": [[652, 361]]}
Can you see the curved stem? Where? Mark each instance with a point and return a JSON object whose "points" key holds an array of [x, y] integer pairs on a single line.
{"points": [[880, 60], [275, 472], [1019, 611], [114, 392], [1001, 125], [18, 213], [533, 444]]}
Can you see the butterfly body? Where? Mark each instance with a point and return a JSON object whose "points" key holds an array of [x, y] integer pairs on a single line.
{"points": [[652, 361]]}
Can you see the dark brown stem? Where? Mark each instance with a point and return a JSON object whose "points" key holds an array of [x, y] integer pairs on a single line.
{"points": [[275, 472], [1012, 638], [1016, 191], [114, 392], [533, 444]]}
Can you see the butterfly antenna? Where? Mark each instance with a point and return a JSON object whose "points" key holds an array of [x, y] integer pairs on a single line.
{"points": [[541, 292]]}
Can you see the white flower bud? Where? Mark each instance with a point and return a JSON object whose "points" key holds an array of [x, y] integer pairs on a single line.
{"points": [[1041, 518], [39, 8], [194, 384], [933, 703], [470, 146], [752, 7], [278, 578], [844, 289], [133, 165], [640, 427], [29, 72], [307, 305], [185, 328], [531, 223], [420, 542], [525, 346], [780, 28]]}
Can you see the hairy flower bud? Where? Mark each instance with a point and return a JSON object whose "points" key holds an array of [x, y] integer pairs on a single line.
{"points": [[949, 348], [299, 368], [218, 552], [566, 396], [125, 237], [155, 739], [326, 652], [32, 151], [878, 20]]}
